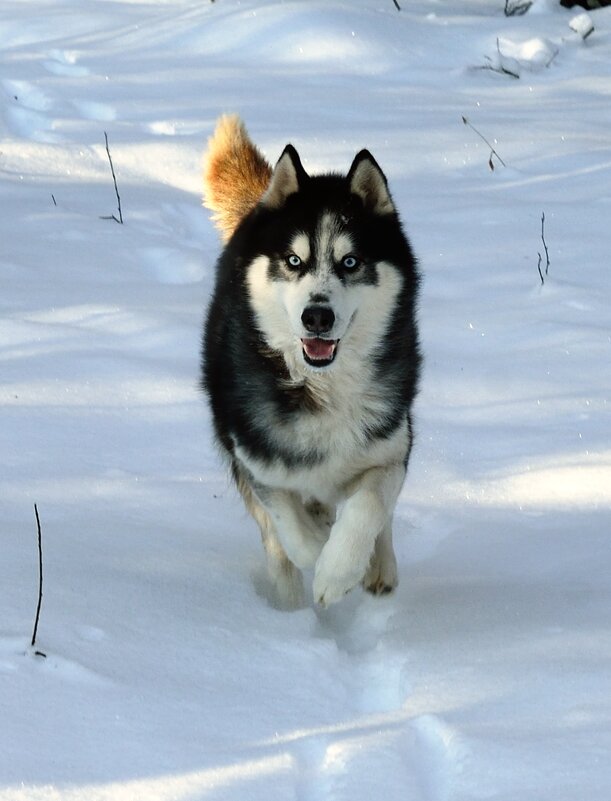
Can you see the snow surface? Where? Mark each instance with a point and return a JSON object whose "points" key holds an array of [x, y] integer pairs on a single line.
{"points": [[167, 674]]}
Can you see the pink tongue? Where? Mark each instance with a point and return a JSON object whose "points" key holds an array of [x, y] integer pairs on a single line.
{"points": [[319, 348]]}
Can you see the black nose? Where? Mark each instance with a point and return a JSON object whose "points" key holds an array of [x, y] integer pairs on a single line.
{"points": [[318, 319]]}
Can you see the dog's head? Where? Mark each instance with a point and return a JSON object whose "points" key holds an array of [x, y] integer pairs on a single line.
{"points": [[327, 261]]}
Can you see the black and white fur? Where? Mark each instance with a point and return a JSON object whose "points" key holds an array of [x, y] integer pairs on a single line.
{"points": [[311, 365]]}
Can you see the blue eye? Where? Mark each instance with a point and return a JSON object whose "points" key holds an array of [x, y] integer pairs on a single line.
{"points": [[350, 262], [293, 261]]}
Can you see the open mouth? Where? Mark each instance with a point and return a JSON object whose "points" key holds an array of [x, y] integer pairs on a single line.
{"points": [[319, 352]]}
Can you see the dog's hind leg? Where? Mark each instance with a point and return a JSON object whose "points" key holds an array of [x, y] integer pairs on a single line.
{"points": [[382, 576], [285, 581]]}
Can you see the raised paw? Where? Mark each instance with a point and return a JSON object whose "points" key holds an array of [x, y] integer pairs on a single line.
{"points": [[333, 577], [327, 592]]}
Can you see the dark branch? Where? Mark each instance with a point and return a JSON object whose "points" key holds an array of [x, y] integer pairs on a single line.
{"points": [[39, 577], [114, 178], [501, 69], [483, 138], [547, 261]]}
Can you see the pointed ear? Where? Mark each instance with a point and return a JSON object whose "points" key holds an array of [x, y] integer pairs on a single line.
{"points": [[287, 177], [369, 182]]}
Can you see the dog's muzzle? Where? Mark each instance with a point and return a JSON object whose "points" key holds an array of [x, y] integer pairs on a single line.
{"points": [[318, 350]]}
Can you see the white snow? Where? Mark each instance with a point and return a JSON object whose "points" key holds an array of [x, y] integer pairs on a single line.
{"points": [[582, 24], [167, 674]]}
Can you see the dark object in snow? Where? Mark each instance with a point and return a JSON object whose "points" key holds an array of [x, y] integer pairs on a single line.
{"points": [[547, 261], [589, 4], [118, 219], [515, 8], [37, 620], [492, 150]]}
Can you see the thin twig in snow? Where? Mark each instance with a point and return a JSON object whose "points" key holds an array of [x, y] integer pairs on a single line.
{"points": [[481, 136], [114, 178], [501, 69], [547, 261], [398, 7], [38, 608]]}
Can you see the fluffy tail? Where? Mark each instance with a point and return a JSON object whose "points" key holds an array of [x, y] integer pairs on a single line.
{"points": [[236, 174]]}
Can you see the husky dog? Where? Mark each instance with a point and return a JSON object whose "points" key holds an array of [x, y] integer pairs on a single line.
{"points": [[311, 361]]}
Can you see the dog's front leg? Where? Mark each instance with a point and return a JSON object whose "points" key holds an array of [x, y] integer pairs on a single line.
{"points": [[300, 535], [345, 558]]}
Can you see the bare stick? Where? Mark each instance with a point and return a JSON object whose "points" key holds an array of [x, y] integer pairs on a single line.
{"points": [[517, 9], [492, 150], [539, 268], [114, 178], [39, 580], [398, 7], [504, 70], [501, 70], [53, 199], [547, 261], [498, 67]]}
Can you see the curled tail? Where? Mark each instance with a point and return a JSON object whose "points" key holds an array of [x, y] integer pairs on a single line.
{"points": [[236, 174]]}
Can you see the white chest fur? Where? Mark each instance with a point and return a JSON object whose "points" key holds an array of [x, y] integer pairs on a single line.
{"points": [[337, 431]]}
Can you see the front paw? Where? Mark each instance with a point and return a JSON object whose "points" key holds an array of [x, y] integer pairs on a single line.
{"points": [[333, 578]]}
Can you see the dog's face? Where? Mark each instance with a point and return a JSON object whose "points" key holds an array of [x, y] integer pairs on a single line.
{"points": [[325, 270]]}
